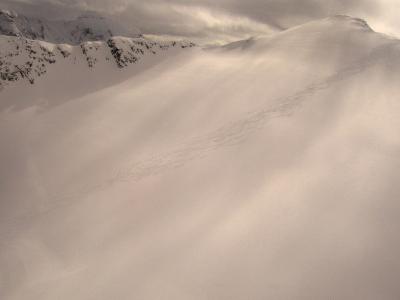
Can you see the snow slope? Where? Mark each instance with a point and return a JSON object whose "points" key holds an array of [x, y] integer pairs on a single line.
{"points": [[266, 169]]}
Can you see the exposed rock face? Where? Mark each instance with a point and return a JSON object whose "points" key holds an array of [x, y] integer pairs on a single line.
{"points": [[23, 59]]}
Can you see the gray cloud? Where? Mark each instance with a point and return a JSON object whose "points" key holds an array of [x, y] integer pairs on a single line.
{"points": [[209, 20]]}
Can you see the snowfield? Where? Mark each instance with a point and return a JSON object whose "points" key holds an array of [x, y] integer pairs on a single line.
{"points": [[265, 169]]}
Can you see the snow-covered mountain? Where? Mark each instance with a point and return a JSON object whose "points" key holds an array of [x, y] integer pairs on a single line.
{"points": [[27, 59], [265, 169], [87, 27], [28, 47]]}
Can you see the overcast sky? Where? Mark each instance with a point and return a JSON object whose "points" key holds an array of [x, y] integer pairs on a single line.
{"points": [[216, 20]]}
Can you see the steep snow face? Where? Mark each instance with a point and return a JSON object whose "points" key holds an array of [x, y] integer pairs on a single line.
{"points": [[24, 59], [88, 27], [263, 170]]}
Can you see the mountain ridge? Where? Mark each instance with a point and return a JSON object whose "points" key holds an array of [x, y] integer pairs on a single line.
{"points": [[336, 24], [25, 59]]}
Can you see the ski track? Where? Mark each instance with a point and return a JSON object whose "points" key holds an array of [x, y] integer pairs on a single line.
{"points": [[229, 135]]}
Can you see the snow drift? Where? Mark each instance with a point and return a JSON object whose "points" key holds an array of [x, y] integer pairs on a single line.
{"points": [[266, 169]]}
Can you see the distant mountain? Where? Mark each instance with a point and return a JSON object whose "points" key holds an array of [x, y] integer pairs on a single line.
{"points": [[88, 27]]}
